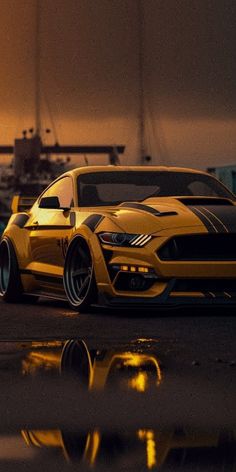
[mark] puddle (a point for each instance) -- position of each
(67, 404)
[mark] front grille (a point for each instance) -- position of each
(199, 247)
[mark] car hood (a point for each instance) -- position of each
(158, 214)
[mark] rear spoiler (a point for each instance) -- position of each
(22, 204)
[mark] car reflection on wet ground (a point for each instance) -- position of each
(75, 404)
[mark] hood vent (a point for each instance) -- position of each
(148, 209)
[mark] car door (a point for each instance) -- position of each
(50, 228)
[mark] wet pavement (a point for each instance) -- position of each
(131, 391)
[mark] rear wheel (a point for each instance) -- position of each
(79, 279)
(11, 289)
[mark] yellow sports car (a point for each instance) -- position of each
(124, 236)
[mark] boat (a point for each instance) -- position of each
(34, 167)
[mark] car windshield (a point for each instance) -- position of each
(113, 188)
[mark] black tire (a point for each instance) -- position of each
(79, 279)
(11, 290)
(76, 360)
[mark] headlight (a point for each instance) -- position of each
(124, 239)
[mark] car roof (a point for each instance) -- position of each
(109, 168)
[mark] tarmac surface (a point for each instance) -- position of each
(156, 390)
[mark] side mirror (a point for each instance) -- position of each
(49, 203)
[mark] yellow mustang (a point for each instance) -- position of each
(124, 236)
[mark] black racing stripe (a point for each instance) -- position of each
(221, 228)
(211, 228)
(48, 227)
(148, 209)
(93, 221)
(139, 206)
(226, 215)
(20, 220)
(72, 218)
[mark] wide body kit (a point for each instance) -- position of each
(164, 251)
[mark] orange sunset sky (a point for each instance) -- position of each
(90, 81)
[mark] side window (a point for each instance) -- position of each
(63, 189)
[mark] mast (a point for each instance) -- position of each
(37, 69)
(141, 80)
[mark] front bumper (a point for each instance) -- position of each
(178, 282)
(170, 298)
(171, 303)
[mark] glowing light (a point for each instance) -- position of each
(136, 360)
(143, 269)
(139, 382)
(149, 437)
(92, 447)
(41, 438)
(124, 267)
(133, 360)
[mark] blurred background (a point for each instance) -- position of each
(158, 76)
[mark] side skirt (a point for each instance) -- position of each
(50, 287)
(49, 295)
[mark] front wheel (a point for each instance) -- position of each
(79, 279)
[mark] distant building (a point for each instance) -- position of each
(226, 174)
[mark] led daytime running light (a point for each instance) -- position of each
(132, 268)
(124, 239)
